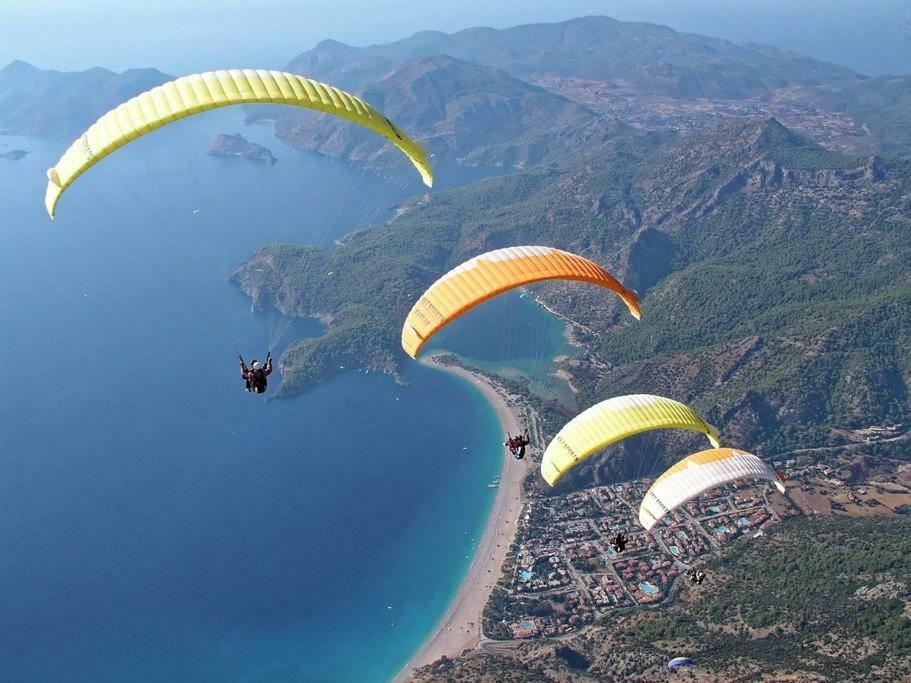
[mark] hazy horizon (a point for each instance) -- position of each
(872, 37)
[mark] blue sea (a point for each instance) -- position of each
(157, 523)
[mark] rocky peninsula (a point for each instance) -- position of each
(226, 145)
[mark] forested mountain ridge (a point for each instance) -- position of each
(775, 276)
(785, 310)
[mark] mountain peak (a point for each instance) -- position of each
(772, 127)
(335, 47)
(17, 68)
(770, 133)
(428, 35)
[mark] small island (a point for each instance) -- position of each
(13, 154)
(225, 145)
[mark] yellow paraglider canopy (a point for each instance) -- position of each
(202, 92)
(613, 420)
(493, 273)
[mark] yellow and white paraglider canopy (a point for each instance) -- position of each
(698, 473)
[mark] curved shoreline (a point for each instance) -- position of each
(460, 627)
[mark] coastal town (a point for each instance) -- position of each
(553, 573)
(795, 107)
(565, 572)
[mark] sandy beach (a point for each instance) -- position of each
(460, 627)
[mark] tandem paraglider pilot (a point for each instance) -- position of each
(255, 376)
(517, 444)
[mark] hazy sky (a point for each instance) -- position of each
(178, 36)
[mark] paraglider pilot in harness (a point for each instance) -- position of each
(619, 542)
(517, 444)
(697, 576)
(255, 376)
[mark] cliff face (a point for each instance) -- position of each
(225, 145)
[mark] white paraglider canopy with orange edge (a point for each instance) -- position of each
(698, 473)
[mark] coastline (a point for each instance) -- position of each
(460, 627)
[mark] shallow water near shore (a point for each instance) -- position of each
(513, 337)
(156, 522)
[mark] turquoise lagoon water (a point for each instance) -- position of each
(512, 337)
(156, 522)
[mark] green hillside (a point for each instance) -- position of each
(775, 278)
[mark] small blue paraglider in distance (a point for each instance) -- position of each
(680, 661)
